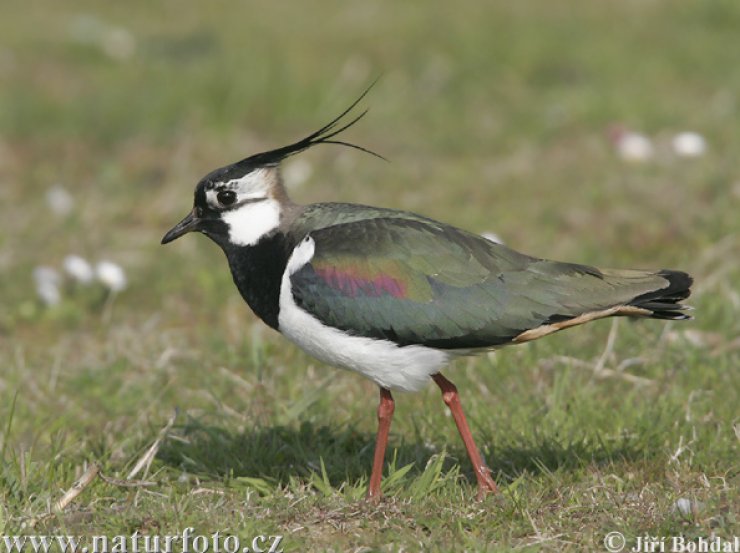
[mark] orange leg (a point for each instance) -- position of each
(385, 415)
(452, 399)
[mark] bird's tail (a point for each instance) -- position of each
(665, 303)
(620, 293)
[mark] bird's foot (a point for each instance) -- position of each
(486, 484)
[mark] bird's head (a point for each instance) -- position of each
(240, 203)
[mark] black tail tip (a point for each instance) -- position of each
(679, 284)
(665, 302)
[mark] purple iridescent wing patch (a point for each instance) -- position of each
(354, 281)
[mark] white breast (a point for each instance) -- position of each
(405, 368)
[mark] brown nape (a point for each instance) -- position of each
(289, 210)
(276, 188)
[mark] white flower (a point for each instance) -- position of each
(689, 144)
(630, 145)
(118, 43)
(47, 285)
(111, 275)
(79, 269)
(633, 146)
(48, 293)
(43, 273)
(60, 201)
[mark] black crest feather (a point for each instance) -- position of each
(324, 135)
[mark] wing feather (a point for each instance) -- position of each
(415, 281)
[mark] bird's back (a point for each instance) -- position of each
(395, 275)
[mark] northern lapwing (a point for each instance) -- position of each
(396, 296)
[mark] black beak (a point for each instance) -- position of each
(190, 223)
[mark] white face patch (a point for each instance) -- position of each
(251, 221)
(246, 205)
(252, 186)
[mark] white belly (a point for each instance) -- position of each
(405, 368)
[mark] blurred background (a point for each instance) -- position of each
(496, 116)
(600, 133)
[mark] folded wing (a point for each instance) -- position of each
(420, 282)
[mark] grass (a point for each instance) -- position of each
(494, 117)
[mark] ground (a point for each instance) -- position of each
(497, 117)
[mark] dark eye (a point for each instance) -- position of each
(226, 197)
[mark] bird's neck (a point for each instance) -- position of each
(257, 272)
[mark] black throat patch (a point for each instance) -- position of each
(258, 271)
